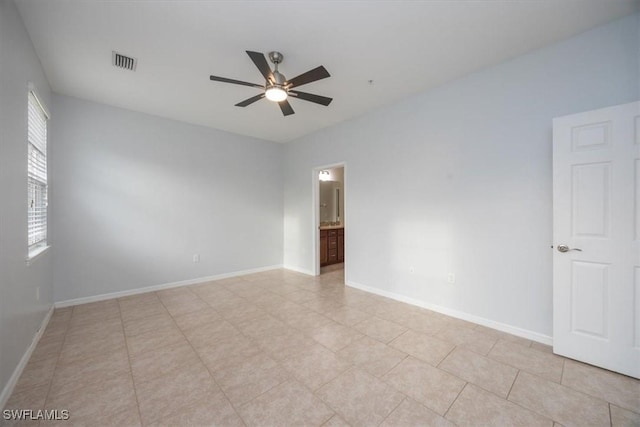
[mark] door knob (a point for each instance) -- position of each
(565, 248)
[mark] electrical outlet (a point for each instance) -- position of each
(196, 258)
(38, 293)
(451, 278)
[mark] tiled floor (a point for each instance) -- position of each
(278, 348)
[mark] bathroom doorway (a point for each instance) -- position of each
(329, 218)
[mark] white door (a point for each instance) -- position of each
(596, 232)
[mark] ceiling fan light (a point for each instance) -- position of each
(276, 94)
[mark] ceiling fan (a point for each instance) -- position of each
(277, 88)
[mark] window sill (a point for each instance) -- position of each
(36, 253)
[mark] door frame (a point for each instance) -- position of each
(315, 212)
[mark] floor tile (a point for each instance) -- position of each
(102, 328)
(248, 378)
(288, 349)
(410, 413)
(480, 370)
(110, 402)
(476, 406)
(87, 347)
(315, 366)
(288, 404)
(162, 361)
(380, 329)
(154, 339)
(453, 321)
(430, 386)
(289, 311)
(421, 322)
(168, 395)
(431, 350)
(335, 336)
(183, 303)
(559, 403)
(623, 418)
(322, 305)
(84, 372)
(360, 398)
(542, 347)
(147, 324)
(210, 333)
(269, 300)
(37, 373)
(618, 389)
(545, 365)
(309, 321)
(240, 313)
(503, 335)
(212, 292)
(467, 338)
(132, 301)
(197, 318)
(336, 421)
(132, 311)
(226, 352)
(300, 296)
(56, 330)
(212, 410)
(47, 347)
(33, 398)
(347, 316)
(94, 312)
(283, 346)
(245, 289)
(372, 356)
(265, 325)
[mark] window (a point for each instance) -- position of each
(36, 175)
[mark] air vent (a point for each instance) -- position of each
(122, 61)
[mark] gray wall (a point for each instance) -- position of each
(136, 196)
(458, 179)
(20, 313)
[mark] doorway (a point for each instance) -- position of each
(329, 218)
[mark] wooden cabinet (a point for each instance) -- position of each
(331, 246)
(324, 249)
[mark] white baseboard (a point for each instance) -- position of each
(120, 294)
(299, 270)
(13, 380)
(524, 333)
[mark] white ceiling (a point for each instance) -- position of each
(405, 47)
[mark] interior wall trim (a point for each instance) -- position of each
(120, 294)
(514, 330)
(13, 380)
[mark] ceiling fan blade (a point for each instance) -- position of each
(262, 64)
(317, 73)
(286, 108)
(235, 82)
(322, 100)
(250, 100)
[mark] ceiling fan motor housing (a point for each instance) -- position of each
(279, 78)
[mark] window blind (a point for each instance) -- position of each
(36, 173)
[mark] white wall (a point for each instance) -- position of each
(20, 313)
(136, 196)
(458, 179)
